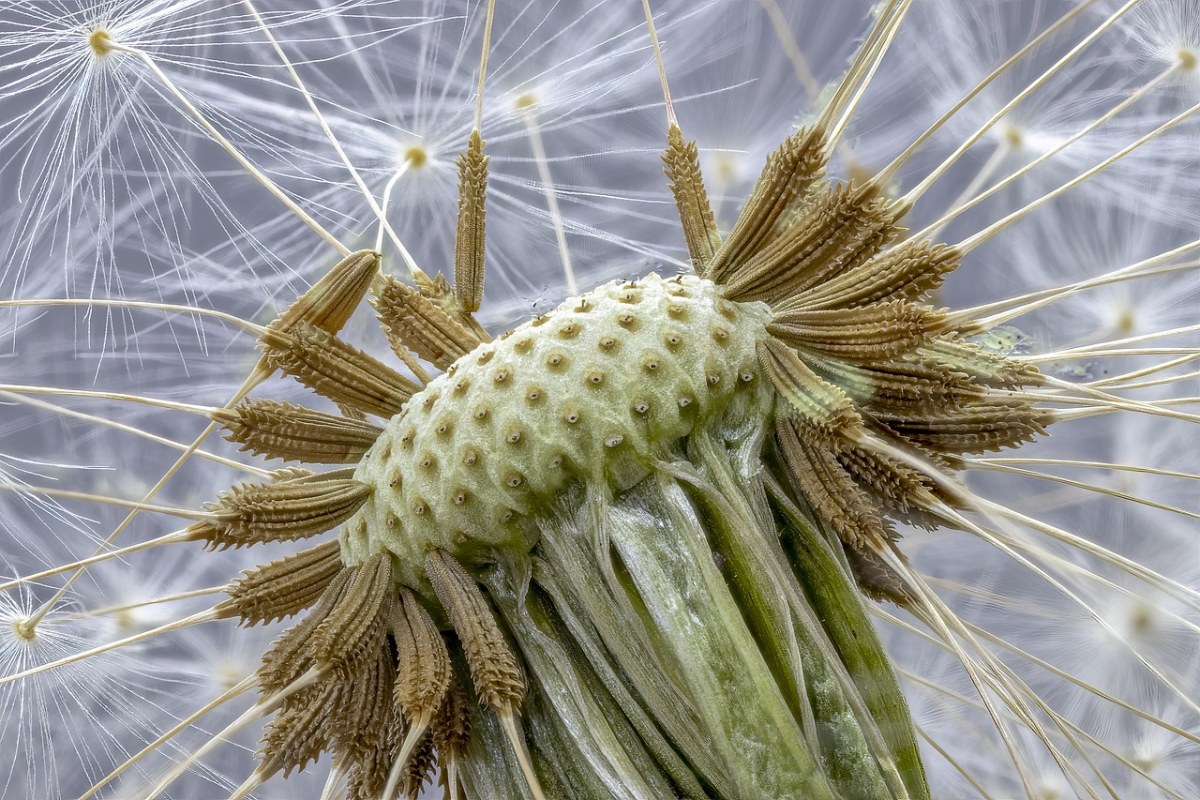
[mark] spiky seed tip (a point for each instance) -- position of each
(337, 370)
(423, 663)
(682, 167)
(821, 406)
(332, 300)
(299, 734)
(293, 433)
(288, 656)
(494, 670)
(255, 513)
(283, 587)
(470, 236)
(355, 627)
(415, 322)
(786, 179)
(839, 229)
(831, 492)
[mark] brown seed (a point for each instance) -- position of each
(494, 670)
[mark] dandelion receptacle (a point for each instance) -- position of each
(546, 427)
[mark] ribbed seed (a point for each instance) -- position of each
(418, 769)
(333, 299)
(288, 656)
(294, 433)
(371, 746)
(494, 670)
(821, 405)
(300, 733)
(283, 587)
(423, 670)
(355, 627)
(980, 428)
(787, 176)
(452, 728)
(363, 708)
(279, 512)
(861, 334)
(338, 371)
(908, 271)
(470, 235)
(897, 485)
(682, 168)
(415, 322)
(838, 230)
(830, 491)
(878, 580)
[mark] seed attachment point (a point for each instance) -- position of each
(101, 42)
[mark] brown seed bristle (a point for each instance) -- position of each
(293, 433)
(837, 230)
(333, 299)
(254, 513)
(337, 370)
(419, 324)
(423, 670)
(823, 407)
(830, 490)
(470, 236)
(354, 629)
(908, 271)
(682, 167)
(300, 733)
(786, 178)
(288, 656)
(494, 670)
(283, 587)
(861, 334)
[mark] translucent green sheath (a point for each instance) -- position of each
(698, 636)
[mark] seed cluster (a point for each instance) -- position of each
(809, 320)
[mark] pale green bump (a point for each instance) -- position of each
(592, 391)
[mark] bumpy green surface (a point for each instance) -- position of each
(592, 391)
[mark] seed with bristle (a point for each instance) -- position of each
(336, 370)
(414, 322)
(355, 627)
(299, 734)
(682, 168)
(839, 229)
(285, 586)
(294, 433)
(830, 491)
(469, 239)
(787, 176)
(860, 334)
(423, 663)
(822, 406)
(333, 299)
(288, 656)
(908, 271)
(494, 670)
(278, 512)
